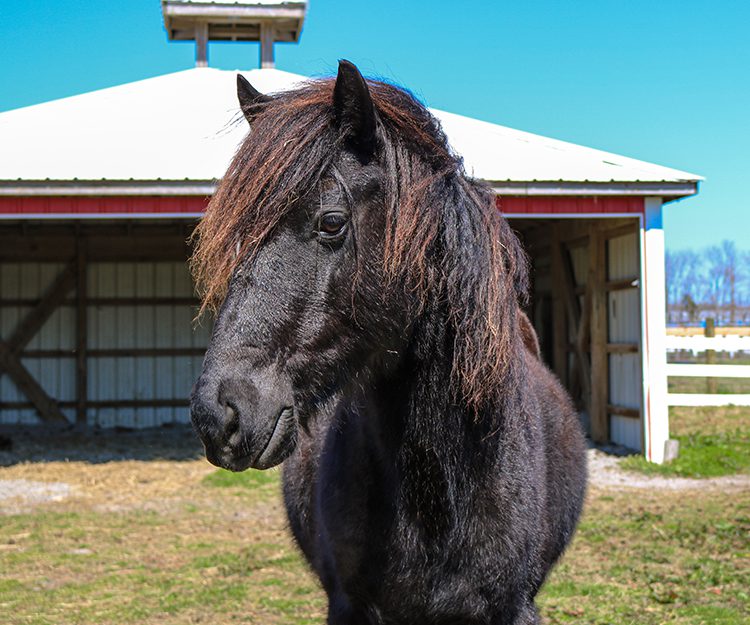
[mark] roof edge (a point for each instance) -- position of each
(207, 187)
(106, 187)
(645, 189)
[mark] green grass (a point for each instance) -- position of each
(713, 442)
(723, 386)
(701, 456)
(215, 548)
(658, 557)
(251, 479)
(251, 483)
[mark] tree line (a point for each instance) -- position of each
(712, 282)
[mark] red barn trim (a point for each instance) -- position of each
(190, 206)
(102, 206)
(550, 205)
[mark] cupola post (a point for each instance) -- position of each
(264, 21)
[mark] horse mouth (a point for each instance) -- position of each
(281, 442)
(235, 455)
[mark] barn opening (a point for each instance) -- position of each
(96, 318)
(585, 306)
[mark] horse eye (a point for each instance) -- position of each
(332, 224)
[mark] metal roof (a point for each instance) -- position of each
(178, 132)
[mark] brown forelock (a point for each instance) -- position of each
(291, 146)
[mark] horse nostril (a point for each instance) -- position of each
(231, 420)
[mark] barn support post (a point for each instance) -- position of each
(559, 321)
(653, 332)
(201, 44)
(81, 327)
(267, 38)
(599, 335)
(577, 321)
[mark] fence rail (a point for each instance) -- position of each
(703, 399)
(710, 344)
(730, 343)
(708, 371)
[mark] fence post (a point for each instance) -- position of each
(710, 332)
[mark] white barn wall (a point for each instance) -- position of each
(143, 327)
(624, 323)
(109, 327)
(56, 376)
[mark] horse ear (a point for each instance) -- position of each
(354, 110)
(251, 100)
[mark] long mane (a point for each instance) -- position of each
(444, 235)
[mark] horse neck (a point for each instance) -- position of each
(424, 426)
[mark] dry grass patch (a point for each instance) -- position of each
(167, 542)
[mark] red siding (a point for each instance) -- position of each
(102, 205)
(155, 205)
(531, 205)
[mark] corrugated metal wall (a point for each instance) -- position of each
(111, 378)
(624, 316)
(26, 281)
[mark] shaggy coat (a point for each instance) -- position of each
(369, 335)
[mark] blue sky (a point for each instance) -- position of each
(665, 81)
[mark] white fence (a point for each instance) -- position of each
(730, 344)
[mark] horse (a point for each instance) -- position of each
(369, 333)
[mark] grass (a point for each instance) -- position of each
(713, 442)
(655, 558)
(178, 542)
(724, 386)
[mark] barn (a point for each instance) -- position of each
(99, 194)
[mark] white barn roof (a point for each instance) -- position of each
(183, 129)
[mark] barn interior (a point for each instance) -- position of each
(97, 318)
(585, 306)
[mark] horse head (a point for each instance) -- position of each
(306, 305)
(343, 218)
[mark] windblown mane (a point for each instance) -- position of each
(445, 238)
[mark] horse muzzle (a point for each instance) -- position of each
(244, 423)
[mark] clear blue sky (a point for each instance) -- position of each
(667, 81)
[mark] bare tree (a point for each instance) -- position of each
(682, 268)
(713, 281)
(722, 263)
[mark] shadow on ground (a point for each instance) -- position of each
(45, 443)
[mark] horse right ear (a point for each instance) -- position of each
(251, 100)
(354, 110)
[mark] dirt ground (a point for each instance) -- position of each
(118, 469)
(113, 527)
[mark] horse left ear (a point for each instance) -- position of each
(354, 110)
(251, 100)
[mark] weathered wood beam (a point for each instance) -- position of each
(108, 301)
(48, 303)
(81, 334)
(10, 362)
(622, 348)
(117, 352)
(559, 322)
(622, 411)
(573, 310)
(599, 336)
(47, 407)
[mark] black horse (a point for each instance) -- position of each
(369, 335)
